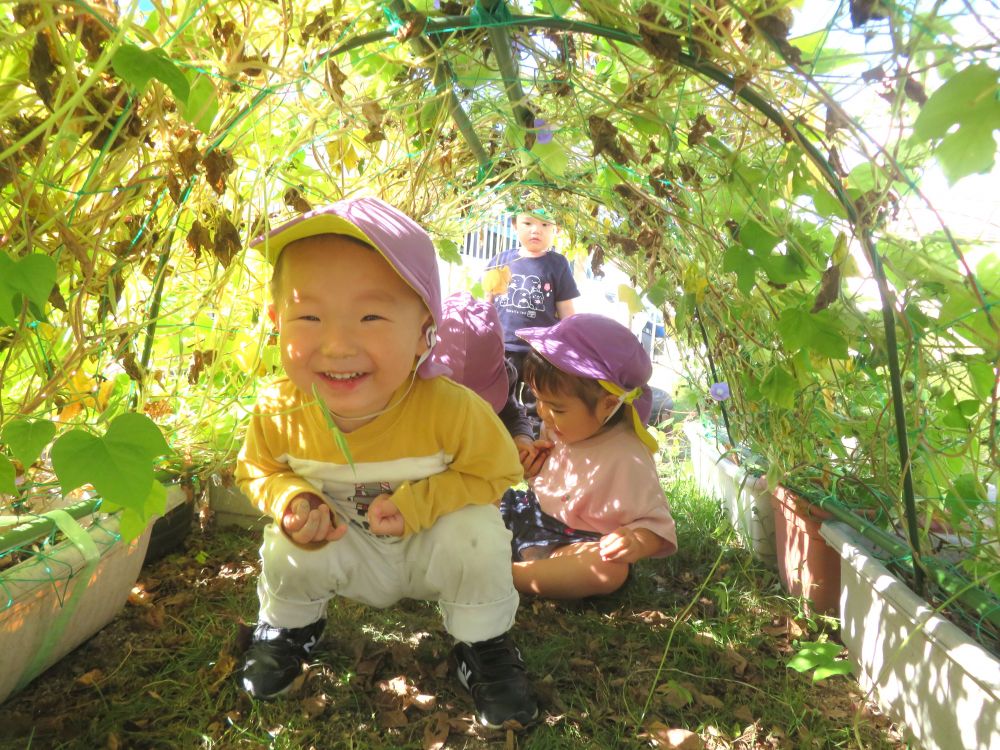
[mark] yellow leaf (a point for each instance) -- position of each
(629, 296)
(495, 280)
(46, 332)
(341, 151)
(839, 254)
(70, 410)
(81, 384)
(104, 394)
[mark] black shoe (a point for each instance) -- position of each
(493, 672)
(276, 657)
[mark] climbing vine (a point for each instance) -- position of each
(708, 149)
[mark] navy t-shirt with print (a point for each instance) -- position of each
(536, 284)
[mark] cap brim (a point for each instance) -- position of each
(307, 225)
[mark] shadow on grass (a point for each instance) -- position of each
(696, 641)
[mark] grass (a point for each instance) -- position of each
(697, 641)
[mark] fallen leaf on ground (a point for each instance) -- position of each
(436, 731)
(315, 706)
(393, 719)
(660, 735)
(90, 678)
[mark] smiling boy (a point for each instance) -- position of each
(402, 505)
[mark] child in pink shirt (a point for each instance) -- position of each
(596, 506)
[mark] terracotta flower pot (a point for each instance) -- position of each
(807, 565)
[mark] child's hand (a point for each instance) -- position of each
(532, 453)
(310, 522)
(624, 544)
(384, 517)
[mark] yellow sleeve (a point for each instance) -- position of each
(270, 484)
(485, 464)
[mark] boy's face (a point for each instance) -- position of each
(569, 419)
(534, 234)
(348, 325)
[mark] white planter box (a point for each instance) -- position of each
(33, 592)
(232, 508)
(747, 507)
(924, 672)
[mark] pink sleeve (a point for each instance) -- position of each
(631, 495)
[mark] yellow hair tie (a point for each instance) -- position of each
(629, 397)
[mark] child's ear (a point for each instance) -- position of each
(428, 335)
(606, 406)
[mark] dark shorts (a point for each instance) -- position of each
(536, 534)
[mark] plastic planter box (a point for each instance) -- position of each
(746, 504)
(924, 672)
(34, 592)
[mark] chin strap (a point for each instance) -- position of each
(629, 397)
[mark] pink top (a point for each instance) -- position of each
(606, 482)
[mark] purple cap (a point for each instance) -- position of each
(400, 240)
(470, 344)
(596, 347)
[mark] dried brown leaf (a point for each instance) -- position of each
(90, 678)
(436, 731)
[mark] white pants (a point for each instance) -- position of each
(463, 562)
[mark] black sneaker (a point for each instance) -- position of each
(276, 657)
(493, 672)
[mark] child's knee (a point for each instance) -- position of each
(610, 577)
(473, 538)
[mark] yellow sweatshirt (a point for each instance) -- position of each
(439, 450)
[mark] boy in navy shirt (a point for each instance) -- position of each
(531, 287)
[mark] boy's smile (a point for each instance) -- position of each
(349, 326)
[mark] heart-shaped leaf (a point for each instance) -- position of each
(31, 277)
(27, 439)
(119, 465)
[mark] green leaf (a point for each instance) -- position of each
(778, 387)
(202, 104)
(968, 99)
(338, 436)
(965, 97)
(784, 269)
(818, 332)
(552, 157)
(27, 439)
(811, 655)
(7, 475)
(32, 277)
(745, 265)
(657, 292)
(553, 7)
(972, 150)
(829, 670)
(132, 523)
(755, 237)
(118, 465)
(981, 377)
(138, 66)
(448, 251)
